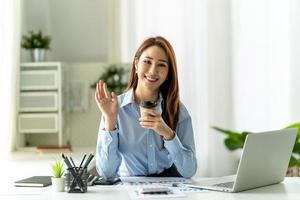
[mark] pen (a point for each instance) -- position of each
(82, 160)
(72, 162)
(88, 160)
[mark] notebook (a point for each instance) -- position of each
(264, 161)
(34, 181)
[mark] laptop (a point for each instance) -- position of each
(264, 161)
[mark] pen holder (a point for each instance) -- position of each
(77, 184)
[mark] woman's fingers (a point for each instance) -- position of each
(100, 91)
(106, 92)
(148, 119)
(151, 112)
(147, 124)
(97, 96)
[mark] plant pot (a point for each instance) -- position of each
(38, 55)
(293, 171)
(58, 184)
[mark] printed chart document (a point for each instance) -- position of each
(175, 184)
(135, 180)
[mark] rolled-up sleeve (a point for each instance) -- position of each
(182, 148)
(108, 158)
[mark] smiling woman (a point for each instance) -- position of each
(160, 140)
(9, 62)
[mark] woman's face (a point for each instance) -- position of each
(152, 68)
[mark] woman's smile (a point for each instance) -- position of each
(151, 79)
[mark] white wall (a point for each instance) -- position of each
(84, 124)
(79, 28)
(261, 63)
(295, 60)
(219, 85)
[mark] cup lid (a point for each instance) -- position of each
(148, 104)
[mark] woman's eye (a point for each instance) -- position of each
(162, 65)
(147, 61)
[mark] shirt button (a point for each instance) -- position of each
(151, 164)
(150, 145)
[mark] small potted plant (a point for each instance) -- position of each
(37, 43)
(58, 182)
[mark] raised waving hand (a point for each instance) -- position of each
(108, 104)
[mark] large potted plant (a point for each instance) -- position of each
(37, 43)
(235, 140)
(114, 76)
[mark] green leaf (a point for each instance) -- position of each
(232, 144)
(244, 135)
(234, 140)
(58, 169)
(295, 125)
(293, 162)
(35, 40)
(296, 148)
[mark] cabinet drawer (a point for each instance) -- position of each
(38, 101)
(38, 80)
(38, 123)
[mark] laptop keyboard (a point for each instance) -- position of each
(226, 185)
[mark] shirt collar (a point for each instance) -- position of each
(129, 98)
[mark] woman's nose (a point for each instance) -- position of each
(153, 69)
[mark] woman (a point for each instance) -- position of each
(161, 143)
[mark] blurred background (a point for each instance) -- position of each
(238, 64)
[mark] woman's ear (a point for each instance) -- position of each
(135, 65)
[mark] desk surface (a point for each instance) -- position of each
(289, 189)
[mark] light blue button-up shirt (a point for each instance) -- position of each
(143, 150)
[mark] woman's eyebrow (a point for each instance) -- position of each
(161, 60)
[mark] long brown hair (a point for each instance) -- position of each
(169, 89)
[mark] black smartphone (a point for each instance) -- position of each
(103, 181)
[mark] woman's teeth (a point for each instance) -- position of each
(151, 79)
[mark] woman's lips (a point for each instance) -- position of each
(151, 79)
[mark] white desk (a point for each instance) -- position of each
(289, 189)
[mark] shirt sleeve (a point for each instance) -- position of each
(182, 148)
(108, 158)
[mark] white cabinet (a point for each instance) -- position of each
(38, 79)
(38, 123)
(41, 98)
(38, 101)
